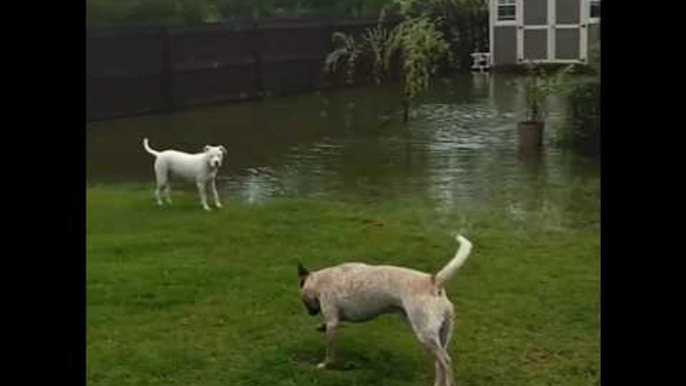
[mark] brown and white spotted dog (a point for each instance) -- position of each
(356, 292)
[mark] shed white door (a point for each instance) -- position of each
(533, 31)
(551, 30)
(569, 30)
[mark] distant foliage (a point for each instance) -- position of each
(410, 30)
(539, 85)
(582, 129)
(193, 12)
(346, 53)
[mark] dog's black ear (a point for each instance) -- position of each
(302, 271)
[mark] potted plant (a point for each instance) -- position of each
(538, 86)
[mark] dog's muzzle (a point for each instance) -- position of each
(312, 310)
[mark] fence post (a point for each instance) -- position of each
(167, 74)
(258, 46)
(327, 80)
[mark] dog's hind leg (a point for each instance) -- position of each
(427, 327)
(444, 370)
(446, 331)
(167, 193)
(445, 335)
(440, 380)
(161, 179)
(158, 195)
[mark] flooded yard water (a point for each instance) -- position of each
(459, 148)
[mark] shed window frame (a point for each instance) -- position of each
(591, 5)
(502, 5)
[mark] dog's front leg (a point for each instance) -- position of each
(203, 194)
(213, 185)
(331, 327)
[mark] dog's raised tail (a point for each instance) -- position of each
(450, 270)
(148, 149)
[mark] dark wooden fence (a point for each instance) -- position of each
(141, 70)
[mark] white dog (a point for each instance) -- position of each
(356, 292)
(200, 168)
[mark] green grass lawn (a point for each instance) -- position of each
(177, 296)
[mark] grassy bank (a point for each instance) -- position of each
(177, 296)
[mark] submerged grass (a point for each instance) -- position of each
(177, 296)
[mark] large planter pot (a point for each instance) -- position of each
(530, 134)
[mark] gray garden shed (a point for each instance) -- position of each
(548, 31)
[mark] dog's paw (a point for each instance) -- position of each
(322, 365)
(219, 206)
